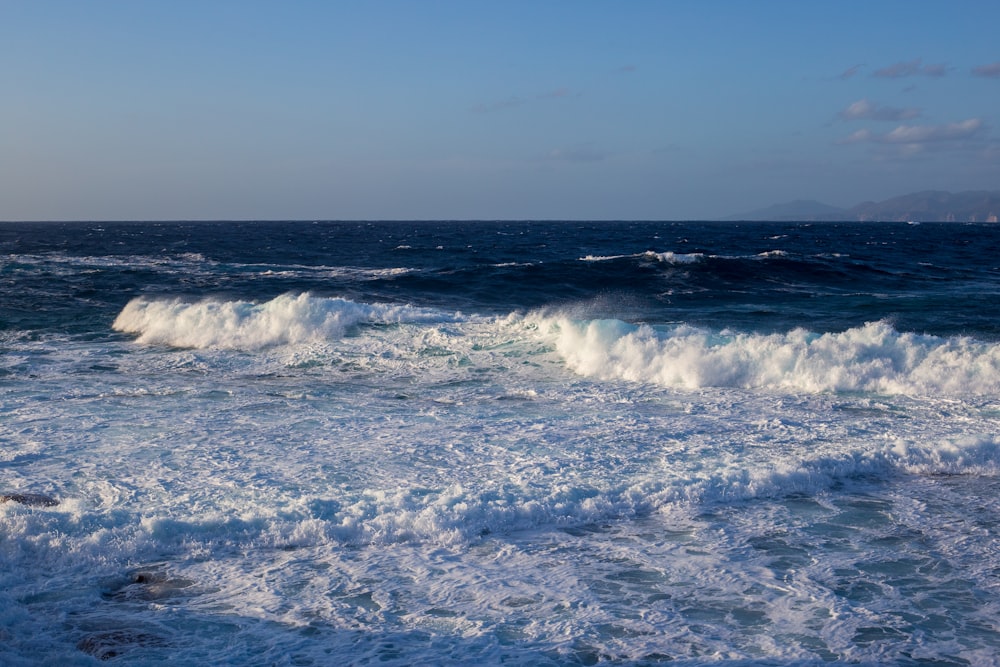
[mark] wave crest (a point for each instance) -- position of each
(285, 320)
(668, 257)
(872, 358)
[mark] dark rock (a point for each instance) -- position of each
(30, 499)
(150, 584)
(113, 643)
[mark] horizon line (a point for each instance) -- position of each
(460, 220)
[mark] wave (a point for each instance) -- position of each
(187, 263)
(675, 257)
(664, 257)
(605, 258)
(678, 258)
(245, 325)
(62, 265)
(871, 358)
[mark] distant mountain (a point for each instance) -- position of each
(926, 206)
(934, 206)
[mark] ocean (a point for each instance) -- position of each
(519, 443)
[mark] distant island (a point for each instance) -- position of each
(926, 206)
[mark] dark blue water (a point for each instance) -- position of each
(942, 279)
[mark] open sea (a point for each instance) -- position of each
(519, 443)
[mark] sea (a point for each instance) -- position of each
(519, 443)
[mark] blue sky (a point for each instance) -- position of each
(464, 109)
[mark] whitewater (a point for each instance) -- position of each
(504, 443)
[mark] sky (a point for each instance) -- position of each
(501, 109)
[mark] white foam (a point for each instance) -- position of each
(676, 257)
(967, 454)
(370, 498)
(287, 319)
(665, 257)
(872, 358)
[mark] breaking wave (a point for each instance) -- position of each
(286, 319)
(871, 358)
(664, 257)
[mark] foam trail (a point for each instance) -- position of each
(286, 319)
(872, 358)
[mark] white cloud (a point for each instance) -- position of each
(921, 134)
(912, 139)
(865, 110)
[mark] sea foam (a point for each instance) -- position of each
(286, 319)
(668, 257)
(871, 358)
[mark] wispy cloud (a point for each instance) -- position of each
(915, 67)
(627, 68)
(991, 70)
(921, 134)
(850, 71)
(914, 138)
(865, 110)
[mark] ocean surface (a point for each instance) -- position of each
(331, 443)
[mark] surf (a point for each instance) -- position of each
(873, 358)
(285, 320)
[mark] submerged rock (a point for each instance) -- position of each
(113, 643)
(30, 499)
(150, 584)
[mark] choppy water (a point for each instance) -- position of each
(518, 443)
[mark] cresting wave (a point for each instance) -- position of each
(872, 358)
(668, 257)
(678, 258)
(284, 320)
